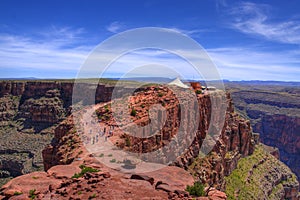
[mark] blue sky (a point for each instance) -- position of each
(247, 40)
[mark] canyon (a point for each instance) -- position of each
(42, 110)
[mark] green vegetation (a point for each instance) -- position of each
(101, 155)
(17, 193)
(84, 170)
(196, 190)
(109, 155)
(237, 181)
(106, 108)
(32, 194)
(198, 91)
(127, 142)
(160, 94)
(242, 184)
(93, 196)
(133, 112)
(113, 160)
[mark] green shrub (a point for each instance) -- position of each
(112, 160)
(198, 91)
(127, 142)
(133, 112)
(106, 109)
(31, 194)
(17, 193)
(84, 170)
(160, 94)
(197, 189)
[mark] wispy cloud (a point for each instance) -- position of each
(256, 19)
(61, 52)
(190, 32)
(54, 49)
(115, 27)
(240, 63)
(233, 63)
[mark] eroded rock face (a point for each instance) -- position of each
(65, 145)
(274, 113)
(29, 112)
(282, 132)
(236, 141)
(43, 110)
(8, 109)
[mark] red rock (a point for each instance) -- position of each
(63, 171)
(40, 181)
(216, 194)
(176, 177)
(143, 177)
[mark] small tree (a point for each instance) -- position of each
(197, 189)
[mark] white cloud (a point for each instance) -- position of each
(255, 19)
(67, 51)
(241, 63)
(58, 49)
(191, 32)
(234, 63)
(115, 27)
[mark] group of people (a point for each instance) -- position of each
(93, 138)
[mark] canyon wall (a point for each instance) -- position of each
(274, 112)
(29, 114)
(282, 131)
(24, 101)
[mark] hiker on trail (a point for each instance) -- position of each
(101, 133)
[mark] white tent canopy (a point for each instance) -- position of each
(178, 83)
